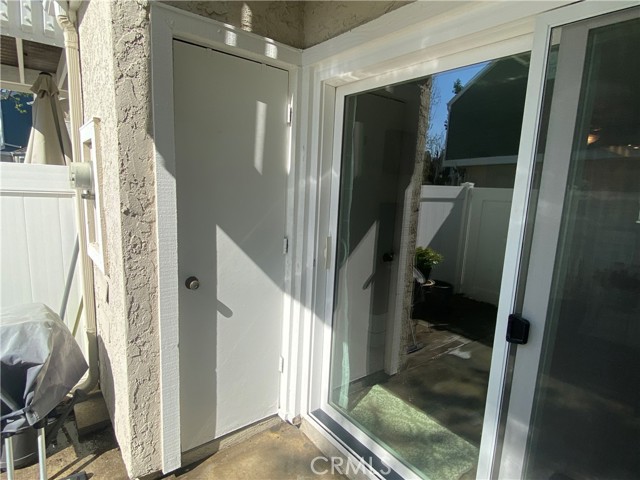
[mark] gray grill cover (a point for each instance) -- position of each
(40, 363)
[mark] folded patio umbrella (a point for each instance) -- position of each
(40, 362)
(49, 141)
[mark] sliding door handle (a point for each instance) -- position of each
(517, 330)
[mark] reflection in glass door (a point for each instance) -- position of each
(427, 174)
(574, 411)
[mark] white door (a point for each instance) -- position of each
(373, 182)
(231, 167)
(575, 395)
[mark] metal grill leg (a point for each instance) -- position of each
(8, 457)
(42, 454)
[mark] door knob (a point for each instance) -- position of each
(192, 283)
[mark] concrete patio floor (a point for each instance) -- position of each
(97, 454)
(447, 379)
(280, 453)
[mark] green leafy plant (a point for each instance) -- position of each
(20, 100)
(426, 258)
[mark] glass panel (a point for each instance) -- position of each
(586, 417)
(412, 348)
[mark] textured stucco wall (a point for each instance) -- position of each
(278, 20)
(299, 24)
(325, 20)
(114, 46)
(138, 215)
(96, 58)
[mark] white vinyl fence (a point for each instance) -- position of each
(469, 227)
(37, 239)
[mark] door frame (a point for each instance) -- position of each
(498, 31)
(466, 56)
(547, 220)
(169, 23)
(492, 39)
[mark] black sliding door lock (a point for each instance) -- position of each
(517, 329)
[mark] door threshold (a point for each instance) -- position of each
(342, 449)
(229, 440)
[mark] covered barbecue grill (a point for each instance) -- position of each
(40, 363)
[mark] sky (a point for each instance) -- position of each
(15, 126)
(444, 83)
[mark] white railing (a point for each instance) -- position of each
(27, 20)
(37, 239)
(469, 227)
(31, 20)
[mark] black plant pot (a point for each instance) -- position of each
(437, 298)
(426, 272)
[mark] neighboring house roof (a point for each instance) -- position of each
(485, 117)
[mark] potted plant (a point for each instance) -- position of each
(426, 259)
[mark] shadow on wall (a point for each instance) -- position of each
(106, 379)
(441, 227)
(280, 21)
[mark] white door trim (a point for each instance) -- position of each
(420, 32)
(167, 24)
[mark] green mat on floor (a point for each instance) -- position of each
(432, 449)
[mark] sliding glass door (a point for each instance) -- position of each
(426, 179)
(574, 410)
(437, 185)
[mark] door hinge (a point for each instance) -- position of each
(281, 365)
(285, 245)
(290, 115)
